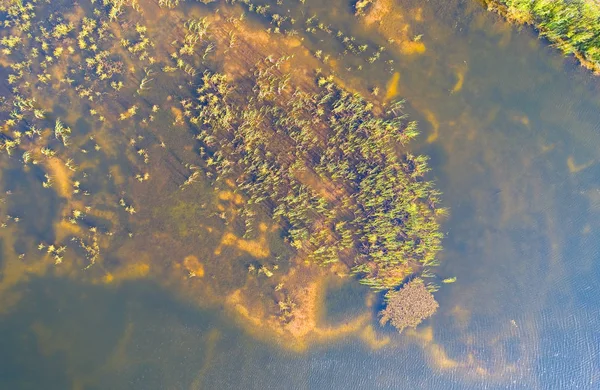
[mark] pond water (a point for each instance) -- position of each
(512, 129)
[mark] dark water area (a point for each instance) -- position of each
(513, 132)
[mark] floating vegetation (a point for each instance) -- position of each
(408, 306)
(571, 25)
(269, 155)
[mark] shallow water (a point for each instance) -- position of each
(514, 148)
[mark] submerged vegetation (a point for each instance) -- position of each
(100, 104)
(326, 168)
(571, 25)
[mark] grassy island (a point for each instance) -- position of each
(571, 25)
(182, 142)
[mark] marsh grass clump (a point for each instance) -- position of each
(360, 6)
(168, 3)
(325, 164)
(117, 7)
(408, 306)
(571, 25)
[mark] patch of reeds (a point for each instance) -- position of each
(571, 25)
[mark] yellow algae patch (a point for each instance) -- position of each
(574, 168)
(133, 271)
(369, 336)
(460, 79)
(310, 309)
(303, 329)
(391, 24)
(238, 199)
(333, 64)
(76, 16)
(234, 300)
(412, 47)
(300, 320)
(391, 90)
(522, 119)
(425, 335)
(438, 356)
(231, 196)
(61, 175)
(63, 229)
(294, 42)
(108, 278)
(214, 335)
(194, 267)
(263, 227)
(251, 44)
(434, 124)
(58, 72)
(481, 371)
(178, 115)
(436, 352)
(309, 306)
(417, 14)
(4, 62)
(256, 248)
(116, 174)
(378, 10)
(336, 332)
(89, 164)
(547, 148)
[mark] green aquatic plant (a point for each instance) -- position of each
(117, 7)
(571, 25)
(326, 168)
(360, 6)
(168, 3)
(145, 80)
(62, 132)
